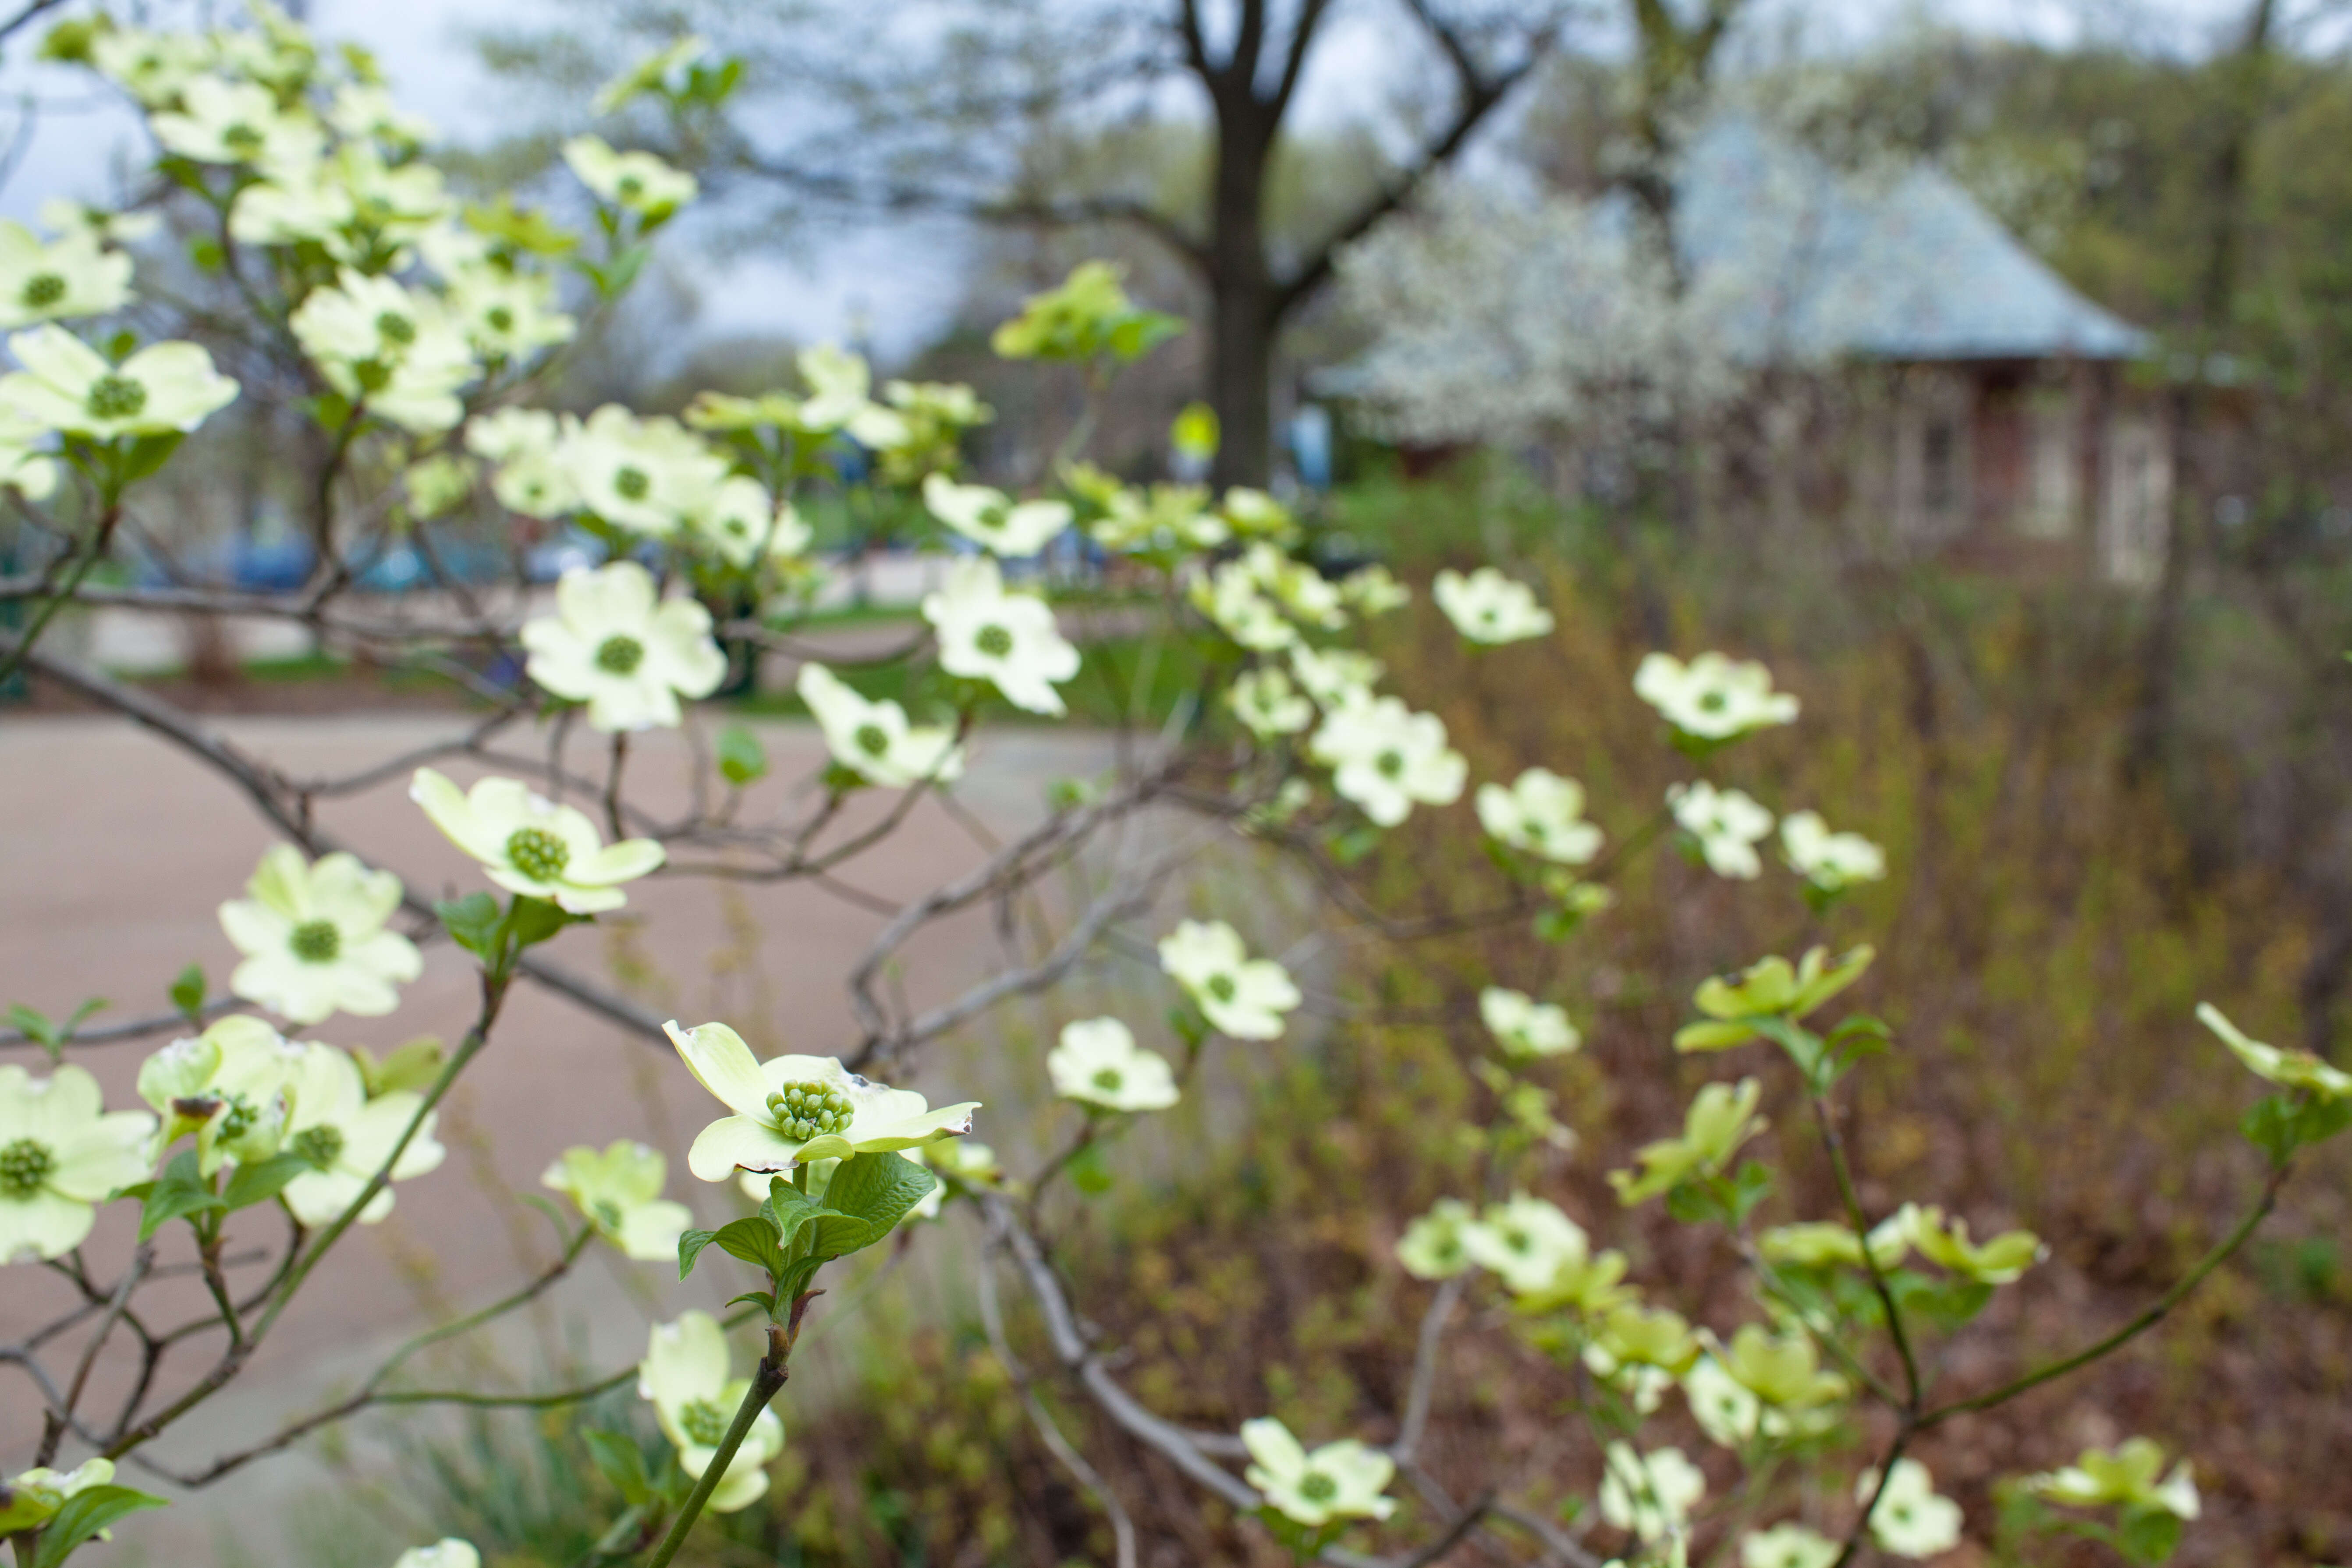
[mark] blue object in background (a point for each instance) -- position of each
(1310, 445)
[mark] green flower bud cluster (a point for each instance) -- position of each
(24, 1165)
(810, 1109)
(538, 854)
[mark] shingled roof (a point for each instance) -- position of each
(1904, 266)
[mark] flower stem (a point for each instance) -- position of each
(766, 1379)
(2147, 1320)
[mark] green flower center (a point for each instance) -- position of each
(619, 655)
(24, 1166)
(1515, 1239)
(873, 739)
(500, 319)
(316, 941)
(810, 1108)
(241, 137)
(43, 289)
(115, 397)
(629, 187)
(1108, 1079)
(321, 1146)
(1221, 986)
(395, 328)
(237, 1120)
(1317, 1486)
(538, 854)
(703, 1423)
(632, 484)
(994, 641)
(606, 1214)
(1390, 764)
(1714, 702)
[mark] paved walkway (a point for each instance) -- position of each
(115, 851)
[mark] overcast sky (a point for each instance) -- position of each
(899, 287)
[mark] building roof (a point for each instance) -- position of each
(1902, 266)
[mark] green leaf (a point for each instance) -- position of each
(534, 920)
(1948, 1304)
(619, 1459)
(86, 1513)
(472, 922)
(2147, 1534)
(143, 456)
(753, 1240)
(689, 1248)
(878, 1189)
(1088, 1173)
(825, 1235)
(763, 1300)
(179, 1191)
(624, 269)
(188, 992)
(742, 759)
(260, 1183)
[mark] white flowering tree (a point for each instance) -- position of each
(414, 333)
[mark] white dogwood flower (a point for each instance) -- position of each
(221, 121)
(530, 846)
(2304, 1070)
(840, 387)
(1338, 1480)
(1650, 1495)
(1488, 607)
(2130, 1476)
(347, 1137)
(1788, 1546)
(1831, 862)
(66, 386)
(616, 644)
(508, 314)
(314, 940)
(873, 739)
(1385, 758)
(1243, 996)
(1099, 1063)
(155, 67)
(994, 520)
(1712, 698)
(396, 349)
(1007, 639)
(1265, 701)
(31, 1497)
(638, 182)
(449, 1552)
(619, 1192)
(1910, 1519)
(1543, 813)
(362, 112)
(794, 1109)
(1525, 1241)
(227, 1086)
(1433, 1246)
(531, 477)
(686, 1377)
(1524, 1027)
(1335, 677)
(742, 522)
(1726, 1409)
(1230, 597)
(1727, 824)
(68, 277)
(1374, 591)
(62, 1153)
(103, 225)
(647, 476)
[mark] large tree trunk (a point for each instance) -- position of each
(1241, 377)
(1243, 318)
